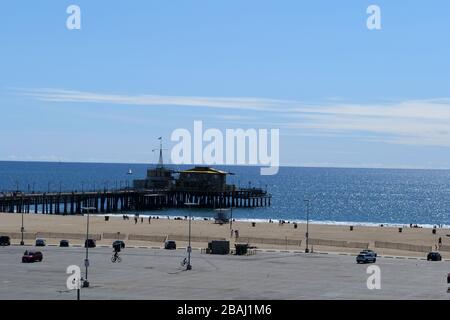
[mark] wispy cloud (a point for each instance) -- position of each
(424, 122)
(58, 95)
(416, 122)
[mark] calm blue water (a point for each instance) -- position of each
(337, 195)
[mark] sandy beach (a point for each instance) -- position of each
(262, 235)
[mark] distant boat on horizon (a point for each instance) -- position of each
(130, 171)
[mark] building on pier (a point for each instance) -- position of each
(160, 177)
(203, 179)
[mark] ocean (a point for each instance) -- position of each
(337, 195)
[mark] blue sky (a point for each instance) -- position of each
(340, 94)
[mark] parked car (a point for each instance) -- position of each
(365, 258)
(434, 256)
(32, 256)
(90, 243)
(64, 243)
(118, 243)
(170, 245)
(367, 251)
(40, 243)
(5, 241)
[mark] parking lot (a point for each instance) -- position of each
(157, 274)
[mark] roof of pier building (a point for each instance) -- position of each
(205, 170)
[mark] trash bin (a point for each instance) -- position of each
(241, 249)
(295, 226)
(400, 230)
(351, 228)
(106, 218)
(253, 224)
(434, 231)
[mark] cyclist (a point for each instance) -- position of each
(116, 252)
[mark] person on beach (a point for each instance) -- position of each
(440, 241)
(149, 219)
(142, 220)
(135, 220)
(231, 235)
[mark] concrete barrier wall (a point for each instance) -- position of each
(114, 236)
(336, 243)
(444, 248)
(76, 236)
(142, 237)
(18, 235)
(290, 242)
(178, 237)
(402, 246)
(358, 245)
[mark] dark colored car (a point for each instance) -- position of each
(64, 243)
(32, 256)
(40, 243)
(365, 258)
(5, 241)
(170, 245)
(434, 256)
(118, 243)
(367, 251)
(90, 243)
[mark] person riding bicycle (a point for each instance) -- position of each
(116, 251)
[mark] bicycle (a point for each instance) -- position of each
(116, 258)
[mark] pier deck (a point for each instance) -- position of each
(111, 201)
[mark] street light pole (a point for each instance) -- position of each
(307, 225)
(22, 230)
(86, 244)
(231, 217)
(189, 249)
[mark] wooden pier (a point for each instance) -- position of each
(115, 201)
